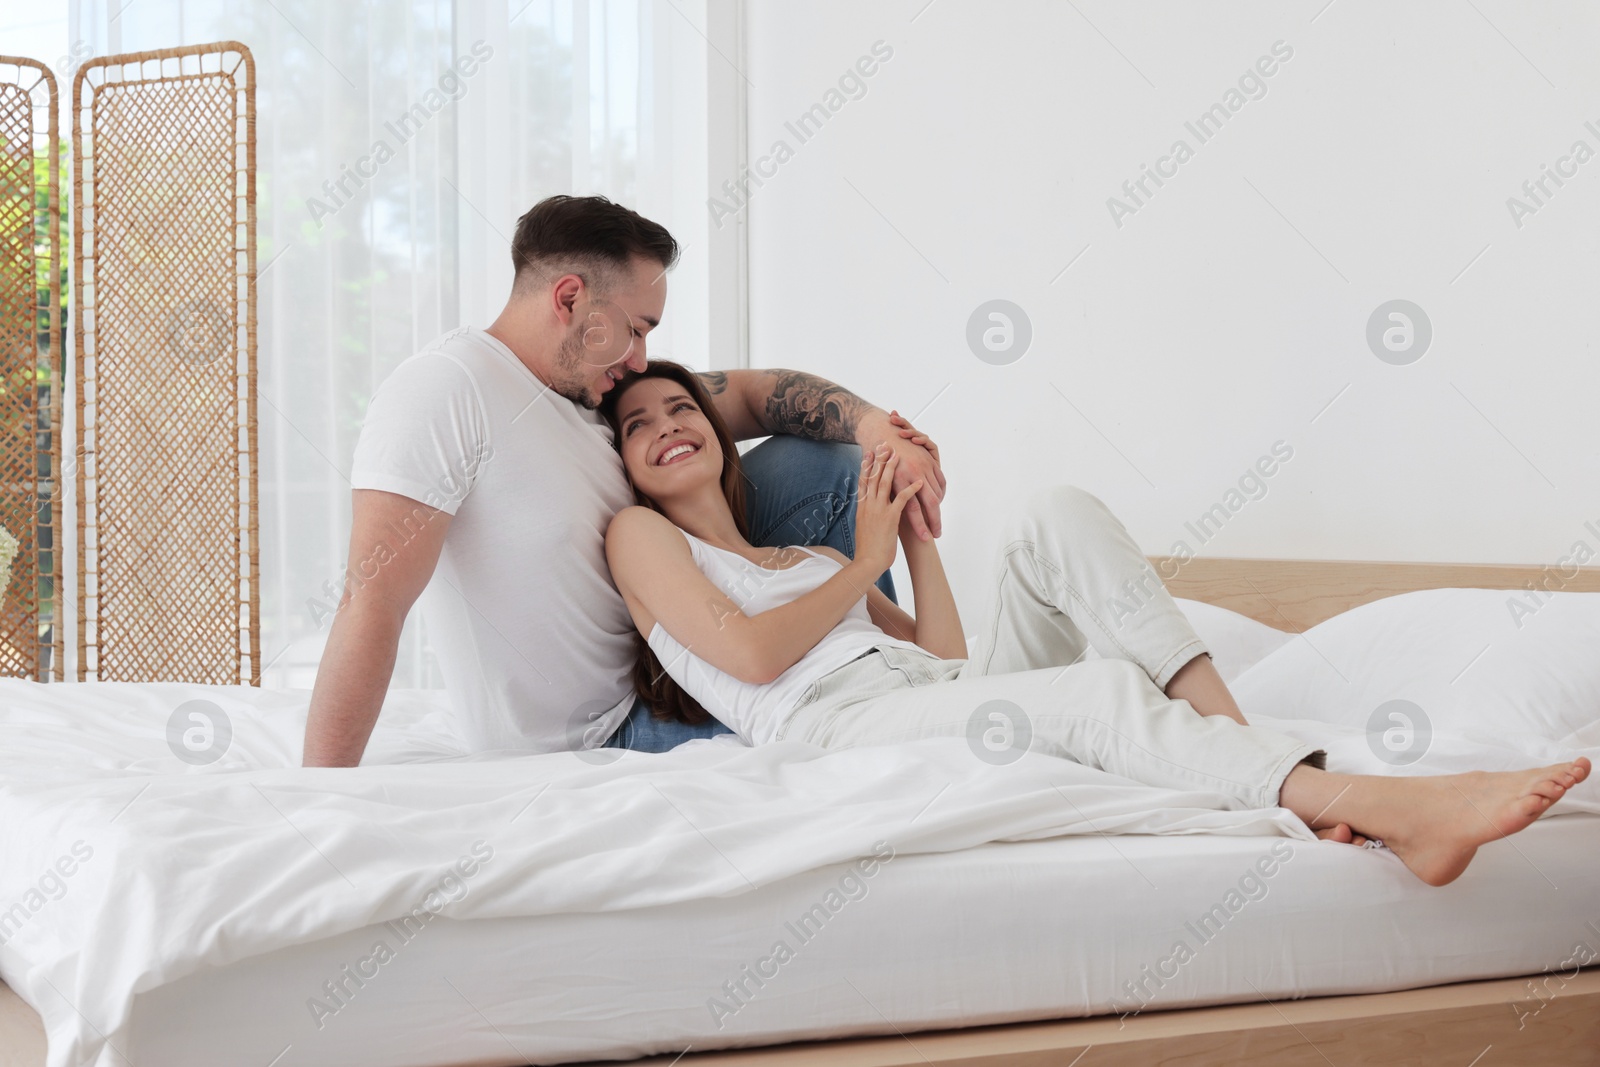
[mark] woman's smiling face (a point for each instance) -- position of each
(667, 441)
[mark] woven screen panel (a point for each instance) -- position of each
(164, 240)
(30, 365)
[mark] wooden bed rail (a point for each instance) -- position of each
(1296, 594)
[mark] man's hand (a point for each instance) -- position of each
(917, 437)
(383, 581)
(919, 459)
(880, 508)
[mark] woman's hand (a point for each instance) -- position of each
(916, 461)
(879, 508)
(910, 536)
(921, 519)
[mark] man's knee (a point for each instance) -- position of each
(803, 466)
(835, 466)
(798, 490)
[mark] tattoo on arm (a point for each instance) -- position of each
(715, 381)
(808, 406)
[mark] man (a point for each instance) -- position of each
(484, 476)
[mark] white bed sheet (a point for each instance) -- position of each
(170, 870)
(997, 933)
(212, 913)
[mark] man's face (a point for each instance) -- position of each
(606, 337)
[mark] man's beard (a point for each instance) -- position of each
(572, 372)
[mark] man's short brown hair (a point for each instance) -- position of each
(588, 236)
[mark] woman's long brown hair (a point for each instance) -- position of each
(665, 698)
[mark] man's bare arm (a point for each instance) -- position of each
(756, 403)
(383, 580)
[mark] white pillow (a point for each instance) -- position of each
(1237, 642)
(1477, 662)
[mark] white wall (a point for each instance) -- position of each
(1229, 310)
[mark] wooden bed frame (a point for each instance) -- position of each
(1458, 1025)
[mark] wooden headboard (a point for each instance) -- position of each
(1296, 594)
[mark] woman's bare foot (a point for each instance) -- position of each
(1435, 825)
(1454, 814)
(1342, 835)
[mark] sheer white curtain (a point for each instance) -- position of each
(397, 142)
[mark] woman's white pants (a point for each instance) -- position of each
(1069, 578)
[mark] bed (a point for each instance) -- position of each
(936, 956)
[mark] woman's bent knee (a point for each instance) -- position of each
(1059, 508)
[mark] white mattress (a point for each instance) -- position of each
(624, 892)
(184, 872)
(997, 933)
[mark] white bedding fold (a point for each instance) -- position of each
(176, 869)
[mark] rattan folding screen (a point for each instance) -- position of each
(164, 257)
(30, 366)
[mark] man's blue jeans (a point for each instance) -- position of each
(798, 492)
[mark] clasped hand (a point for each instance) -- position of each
(879, 509)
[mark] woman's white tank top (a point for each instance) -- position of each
(755, 712)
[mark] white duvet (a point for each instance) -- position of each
(125, 868)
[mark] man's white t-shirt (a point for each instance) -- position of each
(534, 641)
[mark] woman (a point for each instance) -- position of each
(796, 643)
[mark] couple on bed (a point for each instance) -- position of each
(525, 475)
